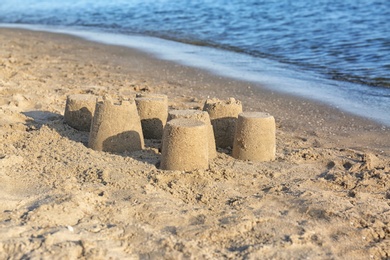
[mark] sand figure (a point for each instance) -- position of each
(185, 146)
(116, 127)
(202, 116)
(153, 111)
(223, 115)
(254, 138)
(79, 111)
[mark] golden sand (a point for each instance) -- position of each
(326, 195)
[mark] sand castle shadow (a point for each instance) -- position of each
(55, 122)
(125, 141)
(130, 144)
(224, 129)
(152, 128)
(79, 119)
(41, 117)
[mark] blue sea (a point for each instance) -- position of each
(332, 51)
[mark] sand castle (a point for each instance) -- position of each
(188, 139)
(153, 111)
(202, 116)
(185, 145)
(254, 137)
(116, 127)
(79, 111)
(223, 115)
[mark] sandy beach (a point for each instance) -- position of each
(326, 196)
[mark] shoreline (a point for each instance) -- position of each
(359, 100)
(286, 108)
(325, 196)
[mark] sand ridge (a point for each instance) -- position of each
(327, 195)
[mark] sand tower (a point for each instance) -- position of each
(79, 111)
(223, 115)
(254, 138)
(202, 116)
(116, 127)
(153, 111)
(185, 146)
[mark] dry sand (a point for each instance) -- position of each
(327, 195)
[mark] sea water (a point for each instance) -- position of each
(337, 52)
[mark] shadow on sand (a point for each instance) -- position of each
(56, 122)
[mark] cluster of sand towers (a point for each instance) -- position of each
(189, 137)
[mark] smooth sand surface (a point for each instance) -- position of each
(326, 196)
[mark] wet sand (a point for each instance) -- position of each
(326, 196)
